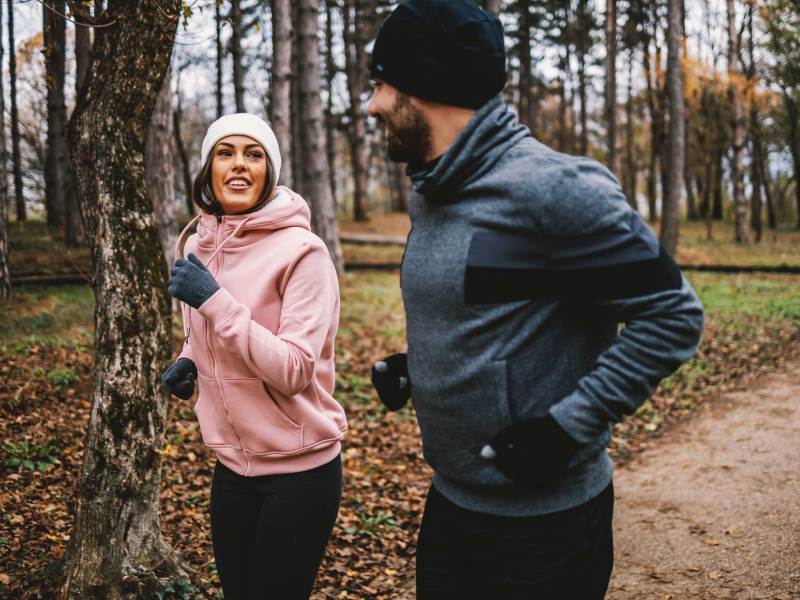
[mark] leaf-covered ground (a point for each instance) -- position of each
(45, 377)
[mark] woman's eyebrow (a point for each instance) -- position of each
(246, 147)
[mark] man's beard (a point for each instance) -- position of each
(408, 135)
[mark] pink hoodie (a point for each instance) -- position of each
(263, 343)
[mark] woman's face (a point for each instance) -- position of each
(238, 173)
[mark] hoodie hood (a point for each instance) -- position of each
(491, 132)
(286, 209)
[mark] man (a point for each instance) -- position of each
(520, 266)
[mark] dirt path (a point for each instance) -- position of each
(713, 510)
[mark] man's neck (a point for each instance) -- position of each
(447, 123)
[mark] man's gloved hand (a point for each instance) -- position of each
(533, 453)
(178, 378)
(191, 282)
(390, 378)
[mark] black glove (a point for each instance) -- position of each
(191, 282)
(391, 381)
(178, 379)
(533, 453)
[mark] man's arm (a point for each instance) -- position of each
(616, 263)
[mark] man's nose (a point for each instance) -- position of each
(371, 110)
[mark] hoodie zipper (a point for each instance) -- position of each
(210, 343)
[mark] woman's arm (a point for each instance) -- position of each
(285, 360)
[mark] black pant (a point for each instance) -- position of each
(270, 532)
(475, 556)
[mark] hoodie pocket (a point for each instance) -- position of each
(260, 423)
(456, 423)
(214, 424)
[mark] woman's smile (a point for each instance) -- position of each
(239, 172)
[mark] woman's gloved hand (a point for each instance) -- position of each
(191, 282)
(391, 381)
(178, 378)
(532, 453)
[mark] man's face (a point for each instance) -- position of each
(408, 134)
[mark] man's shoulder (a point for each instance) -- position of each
(566, 194)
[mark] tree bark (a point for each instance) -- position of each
(160, 170)
(794, 144)
(15, 137)
(177, 117)
(611, 85)
(315, 179)
(83, 49)
(656, 131)
(737, 129)
(236, 55)
(220, 56)
(56, 175)
(116, 550)
(75, 236)
(524, 55)
(5, 273)
(675, 164)
(354, 12)
(294, 105)
(280, 100)
(630, 175)
(330, 118)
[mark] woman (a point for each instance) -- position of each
(261, 310)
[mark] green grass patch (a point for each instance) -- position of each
(771, 297)
(46, 315)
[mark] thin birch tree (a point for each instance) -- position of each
(315, 177)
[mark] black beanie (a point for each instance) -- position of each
(447, 51)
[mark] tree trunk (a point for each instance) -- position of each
(177, 117)
(524, 52)
(330, 118)
(83, 49)
(794, 144)
(583, 145)
(280, 100)
(629, 177)
(116, 550)
(656, 132)
(772, 221)
(294, 104)
(357, 71)
(236, 55)
(675, 163)
(737, 129)
(716, 209)
(611, 84)
(315, 179)
(15, 137)
(75, 235)
(160, 170)
(219, 57)
(5, 273)
(53, 27)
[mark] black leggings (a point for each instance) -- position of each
(474, 556)
(270, 532)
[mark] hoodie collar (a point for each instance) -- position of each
(286, 209)
(488, 135)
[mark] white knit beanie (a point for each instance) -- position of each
(243, 124)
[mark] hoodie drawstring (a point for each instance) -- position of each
(179, 247)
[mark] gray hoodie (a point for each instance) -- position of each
(520, 266)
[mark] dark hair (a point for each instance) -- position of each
(203, 194)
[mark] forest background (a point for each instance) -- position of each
(692, 104)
